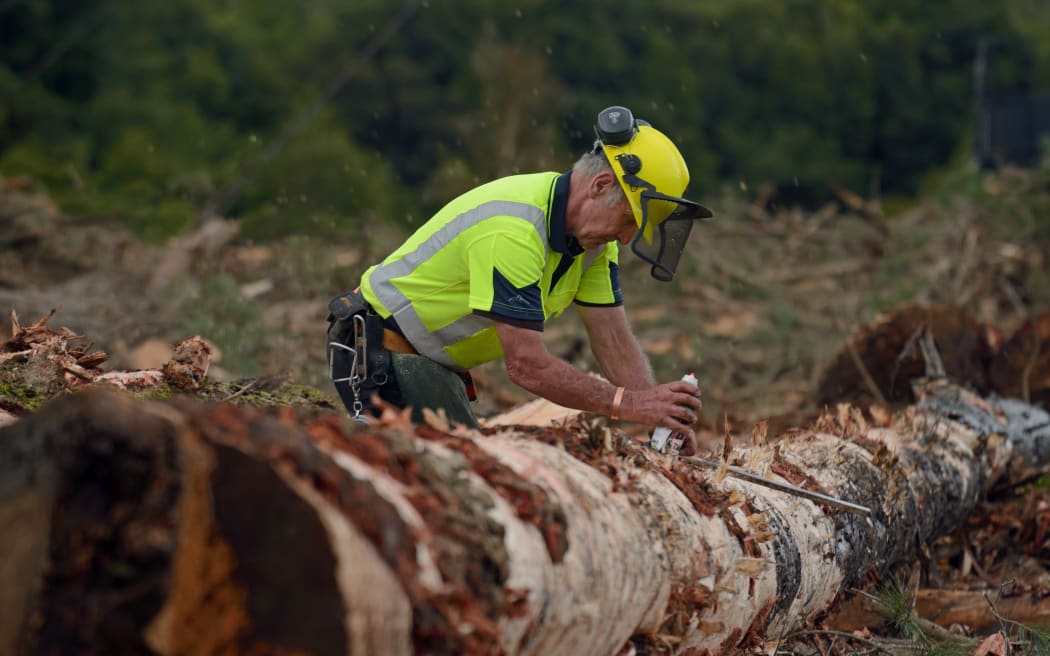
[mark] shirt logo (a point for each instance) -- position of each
(518, 299)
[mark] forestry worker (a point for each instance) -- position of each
(479, 279)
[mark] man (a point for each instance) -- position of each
(480, 278)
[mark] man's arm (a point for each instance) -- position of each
(530, 365)
(615, 347)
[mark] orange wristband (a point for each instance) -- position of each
(617, 399)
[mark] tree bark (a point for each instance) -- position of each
(178, 527)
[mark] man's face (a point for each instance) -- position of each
(604, 223)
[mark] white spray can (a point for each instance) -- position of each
(665, 441)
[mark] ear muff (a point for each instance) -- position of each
(616, 126)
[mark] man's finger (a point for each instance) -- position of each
(686, 415)
(689, 447)
(689, 401)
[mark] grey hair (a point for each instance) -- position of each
(590, 165)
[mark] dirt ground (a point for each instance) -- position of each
(763, 302)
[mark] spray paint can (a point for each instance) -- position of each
(663, 439)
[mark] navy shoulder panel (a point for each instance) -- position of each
(521, 303)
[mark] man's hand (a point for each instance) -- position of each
(529, 364)
(674, 405)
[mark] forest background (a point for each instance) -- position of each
(345, 124)
(324, 117)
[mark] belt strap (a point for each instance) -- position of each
(396, 343)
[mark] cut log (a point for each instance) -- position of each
(189, 528)
(537, 412)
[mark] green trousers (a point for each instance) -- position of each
(423, 383)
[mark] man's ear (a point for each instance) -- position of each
(601, 183)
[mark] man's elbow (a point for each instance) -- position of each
(518, 372)
(523, 372)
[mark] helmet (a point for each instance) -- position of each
(653, 176)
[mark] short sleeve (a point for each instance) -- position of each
(505, 272)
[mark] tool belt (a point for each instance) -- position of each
(358, 349)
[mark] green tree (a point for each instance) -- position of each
(270, 111)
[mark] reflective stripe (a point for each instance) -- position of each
(592, 255)
(431, 344)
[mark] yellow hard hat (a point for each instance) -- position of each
(653, 175)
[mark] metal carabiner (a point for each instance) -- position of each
(332, 346)
(353, 380)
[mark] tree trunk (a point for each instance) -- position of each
(179, 527)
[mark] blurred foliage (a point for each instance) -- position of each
(324, 117)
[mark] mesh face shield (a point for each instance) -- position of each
(669, 235)
(664, 222)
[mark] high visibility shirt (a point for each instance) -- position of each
(498, 252)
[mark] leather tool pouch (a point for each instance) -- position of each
(344, 306)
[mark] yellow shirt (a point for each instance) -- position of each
(496, 253)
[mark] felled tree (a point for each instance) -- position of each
(181, 527)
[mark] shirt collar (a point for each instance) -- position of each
(558, 239)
